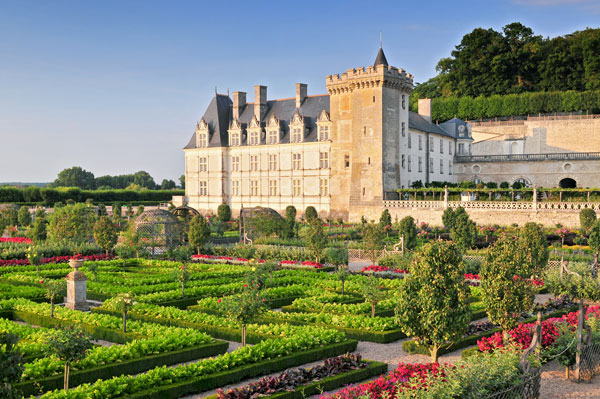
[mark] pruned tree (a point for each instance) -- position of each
(69, 345)
(372, 291)
(315, 237)
(105, 233)
(433, 305)
(199, 232)
(408, 230)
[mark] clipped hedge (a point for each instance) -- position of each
(225, 333)
(531, 103)
(208, 382)
(330, 383)
(129, 367)
(380, 337)
(412, 347)
(49, 196)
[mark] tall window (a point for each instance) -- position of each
(254, 163)
(254, 187)
(403, 129)
(234, 138)
(272, 187)
(235, 188)
(420, 142)
(450, 145)
(346, 161)
(431, 144)
(441, 146)
(273, 137)
(441, 166)
(297, 135)
(323, 132)
(430, 165)
(409, 161)
(403, 101)
(323, 187)
(323, 160)
(403, 161)
(409, 140)
(273, 162)
(449, 167)
(255, 138)
(297, 187)
(235, 164)
(297, 161)
(420, 164)
(203, 188)
(461, 149)
(202, 139)
(202, 164)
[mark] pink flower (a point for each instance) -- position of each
(219, 300)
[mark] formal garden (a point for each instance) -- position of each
(117, 303)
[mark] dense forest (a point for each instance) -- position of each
(516, 61)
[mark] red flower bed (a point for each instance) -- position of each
(228, 259)
(523, 333)
(54, 259)
(17, 240)
(373, 268)
(387, 386)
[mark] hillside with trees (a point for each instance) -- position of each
(519, 64)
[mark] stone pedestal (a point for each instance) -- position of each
(76, 287)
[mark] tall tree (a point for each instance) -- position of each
(105, 233)
(75, 177)
(315, 237)
(143, 179)
(199, 232)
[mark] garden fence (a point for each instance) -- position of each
(590, 361)
(529, 388)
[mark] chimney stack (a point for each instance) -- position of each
(239, 102)
(301, 91)
(425, 108)
(260, 101)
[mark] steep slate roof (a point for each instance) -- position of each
(452, 125)
(380, 59)
(417, 122)
(218, 116)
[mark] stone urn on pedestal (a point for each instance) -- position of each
(76, 287)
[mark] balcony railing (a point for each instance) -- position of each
(558, 156)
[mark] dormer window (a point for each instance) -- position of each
(202, 134)
(461, 131)
(254, 132)
(235, 133)
(297, 128)
(254, 138)
(273, 132)
(324, 125)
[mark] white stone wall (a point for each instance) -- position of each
(221, 179)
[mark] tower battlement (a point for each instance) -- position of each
(367, 77)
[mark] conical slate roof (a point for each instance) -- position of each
(380, 59)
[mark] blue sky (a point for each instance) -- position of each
(117, 86)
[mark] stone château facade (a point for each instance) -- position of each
(348, 151)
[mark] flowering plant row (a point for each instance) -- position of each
(16, 240)
(243, 261)
(382, 269)
(54, 259)
(523, 333)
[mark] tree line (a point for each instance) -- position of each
(83, 179)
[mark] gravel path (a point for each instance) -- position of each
(555, 386)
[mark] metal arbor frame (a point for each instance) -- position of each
(159, 230)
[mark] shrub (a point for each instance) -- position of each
(310, 213)
(587, 218)
(24, 217)
(408, 230)
(224, 213)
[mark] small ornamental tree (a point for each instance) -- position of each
(289, 225)
(336, 256)
(464, 231)
(224, 213)
(117, 211)
(372, 237)
(69, 345)
(24, 217)
(408, 230)
(55, 289)
(34, 259)
(594, 238)
(39, 231)
(532, 241)
(122, 302)
(342, 274)
(372, 292)
(268, 267)
(12, 366)
(587, 218)
(105, 233)
(385, 219)
(310, 213)
(181, 275)
(315, 237)
(199, 232)
(448, 218)
(243, 308)
(433, 305)
(505, 289)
